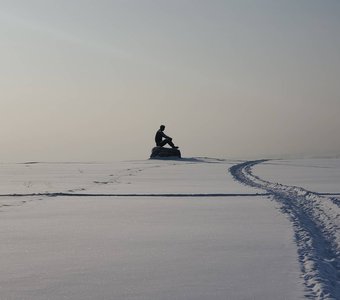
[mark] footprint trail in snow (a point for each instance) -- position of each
(316, 223)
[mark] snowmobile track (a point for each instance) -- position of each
(316, 224)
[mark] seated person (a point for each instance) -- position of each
(167, 140)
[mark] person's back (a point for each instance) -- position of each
(159, 136)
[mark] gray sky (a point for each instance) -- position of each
(94, 79)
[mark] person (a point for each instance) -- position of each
(162, 139)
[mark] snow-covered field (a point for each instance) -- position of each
(194, 228)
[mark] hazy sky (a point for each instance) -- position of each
(94, 79)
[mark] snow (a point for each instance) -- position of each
(316, 222)
(169, 229)
(149, 176)
(318, 175)
(157, 248)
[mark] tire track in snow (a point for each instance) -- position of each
(316, 223)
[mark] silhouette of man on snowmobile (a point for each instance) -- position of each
(162, 139)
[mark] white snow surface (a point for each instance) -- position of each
(315, 218)
(195, 175)
(169, 229)
(317, 175)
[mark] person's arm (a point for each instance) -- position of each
(165, 136)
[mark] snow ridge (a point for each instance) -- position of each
(180, 195)
(316, 223)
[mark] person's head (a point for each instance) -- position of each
(162, 127)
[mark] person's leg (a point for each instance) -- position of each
(167, 141)
(171, 144)
(163, 143)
